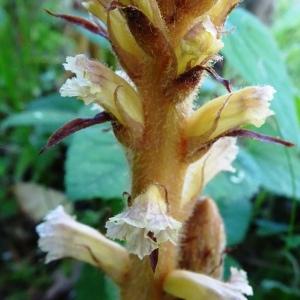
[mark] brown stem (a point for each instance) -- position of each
(158, 160)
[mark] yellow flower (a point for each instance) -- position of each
(61, 236)
(96, 83)
(200, 44)
(193, 286)
(250, 105)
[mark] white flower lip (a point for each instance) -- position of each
(76, 64)
(60, 235)
(80, 86)
(262, 96)
(145, 225)
(49, 229)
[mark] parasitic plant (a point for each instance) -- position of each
(174, 239)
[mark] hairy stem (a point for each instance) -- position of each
(158, 160)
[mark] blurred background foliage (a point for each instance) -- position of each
(88, 172)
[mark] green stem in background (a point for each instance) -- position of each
(259, 201)
(292, 222)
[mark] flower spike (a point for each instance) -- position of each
(165, 47)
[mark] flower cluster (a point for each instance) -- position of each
(164, 47)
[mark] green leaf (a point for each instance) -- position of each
(279, 168)
(95, 166)
(55, 102)
(51, 111)
(94, 285)
(53, 118)
(233, 193)
(253, 53)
